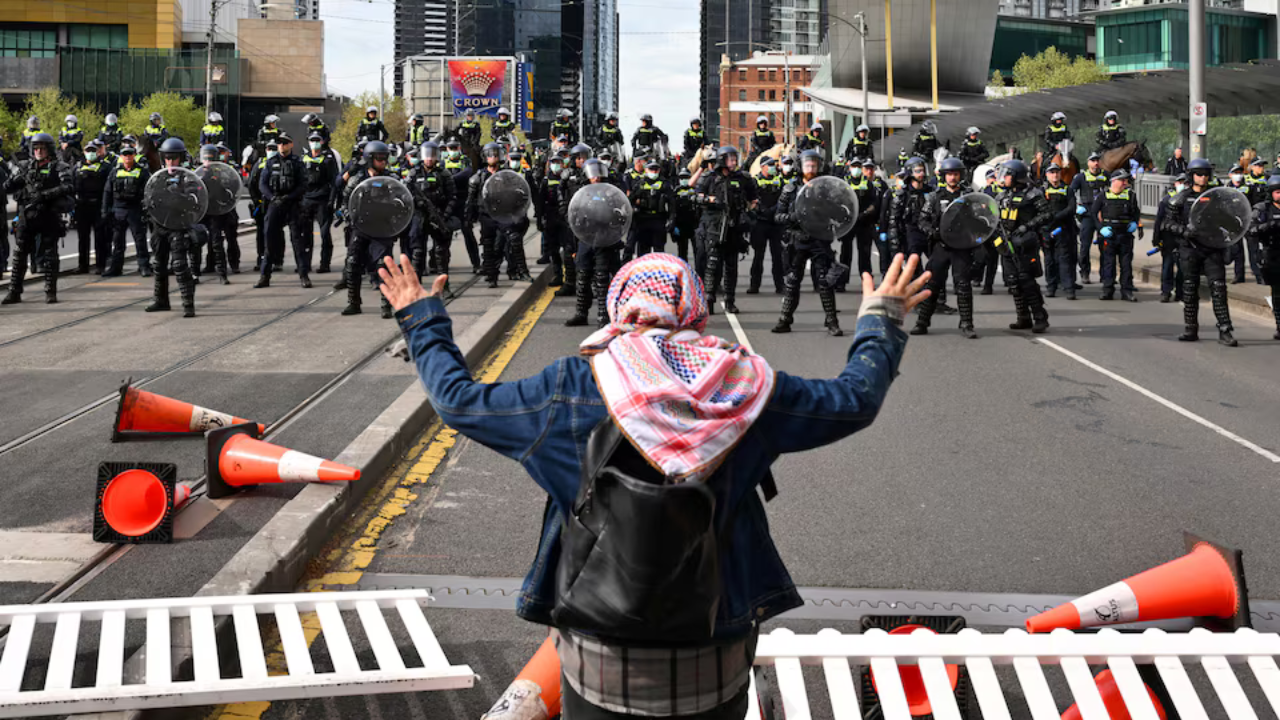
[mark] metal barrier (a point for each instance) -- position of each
(1218, 655)
(1151, 190)
(108, 690)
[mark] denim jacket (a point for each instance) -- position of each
(543, 423)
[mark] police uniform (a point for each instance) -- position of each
(172, 254)
(761, 140)
(1264, 233)
(213, 134)
(44, 192)
(563, 128)
(862, 236)
(319, 128)
(724, 229)
(1060, 253)
(973, 153)
(1170, 268)
(811, 141)
(90, 186)
(806, 249)
(1119, 214)
(433, 195)
(1110, 137)
(654, 203)
(596, 265)
(365, 252)
(555, 233)
(1086, 185)
(767, 234)
(941, 259)
(258, 212)
(646, 138)
(282, 183)
(371, 130)
(157, 133)
(686, 224)
(415, 135)
(1257, 185)
(110, 135)
(73, 138)
(320, 173)
(924, 144)
(1054, 134)
(494, 235)
(1023, 212)
(501, 128)
(461, 171)
(123, 204)
(859, 149)
(694, 140)
(1198, 259)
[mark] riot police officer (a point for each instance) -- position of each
(596, 265)
(490, 228)
(943, 257)
(1111, 135)
(1086, 186)
(282, 183)
(926, 141)
(371, 127)
(1264, 234)
(1256, 181)
(90, 178)
(1023, 212)
(812, 140)
(860, 146)
(867, 188)
(110, 134)
(1119, 217)
(366, 251)
(123, 203)
(44, 186)
(1170, 268)
(725, 193)
(546, 210)
(172, 246)
(315, 126)
(512, 245)
(220, 229)
(1198, 259)
(647, 137)
(695, 138)
(320, 173)
(762, 139)
(563, 126)
(806, 249)
(686, 224)
(1056, 132)
(1060, 235)
(906, 233)
(258, 208)
(653, 200)
(155, 130)
(71, 139)
(973, 152)
(433, 194)
(766, 233)
(610, 134)
(456, 164)
(417, 132)
(503, 125)
(213, 133)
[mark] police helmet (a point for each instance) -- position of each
(953, 164)
(811, 155)
(213, 117)
(1058, 116)
(155, 118)
(491, 150)
(605, 155)
(1095, 156)
(270, 120)
(42, 139)
(915, 160)
(863, 129)
(1018, 170)
(504, 111)
(173, 146)
(111, 119)
(611, 116)
(373, 148)
(815, 126)
(471, 113)
(973, 130)
(581, 150)
(564, 114)
(430, 150)
(695, 121)
(761, 119)
(1273, 183)
(417, 117)
(1111, 115)
(33, 122)
(646, 118)
(594, 169)
(723, 154)
(71, 121)
(371, 109)
(1121, 175)
(929, 127)
(208, 152)
(310, 118)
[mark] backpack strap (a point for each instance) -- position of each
(601, 444)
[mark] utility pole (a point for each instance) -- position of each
(1196, 79)
(933, 48)
(862, 43)
(208, 70)
(888, 50)
(786, 75)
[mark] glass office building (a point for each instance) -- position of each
(1155, 37)
(1018, 36)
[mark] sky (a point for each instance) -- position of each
(658, 56)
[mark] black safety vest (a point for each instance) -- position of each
(1117, 208)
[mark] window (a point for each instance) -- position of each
(760, 75)
(742, 75)
(773, 76)
(795, 96)
(742, 95)
(742, 120)
(773, 94)
(27, 40)
(761, 94)
(98, 36)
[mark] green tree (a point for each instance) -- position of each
(182, 117)
(1053, 69)
(10, 129)
(52, 107)
(997, 80)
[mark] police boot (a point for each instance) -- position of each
(924, 315)
(1023, 321)
(600, 288)
(144, 268)
(1275, 308)
(1222, 313)
(419, 261)
(790, 300)
(304, 278)
(582, 305)
(1039, 316)
(964, 299)
(51, 284)
(943, 307)
(187, 288)
(387, 312)
(518, 265)
(569, 288)
(832, 322)
(16, 279)
(352, 283)
(160, 296)
(1190, 311)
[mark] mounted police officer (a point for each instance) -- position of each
(762, 139)
(1060, 235)
(156, 130)
(1111, 135)
(468, 133)
(417, 132)
(282, 184)
(1198, 259)
(371, 127)
(766, 233)
(32, 130)
(926, 141)
(1119, 217)
(806, 249)
(1264, 234)
(1086, 186)
(695, 138)
(610, 134)
(860, 147)
(1023, 212)
(110, 134)
(71, 140)
(122, 205)
(646, 138)
(1056, 132)
(725, 194)
(213, 133)
(44, 189)
(172, 246)
(973, 152)
(563, 126)
(812, 140)
(503, 125)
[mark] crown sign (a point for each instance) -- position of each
(476, 82)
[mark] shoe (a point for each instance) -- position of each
(306, 281)
(492, 284)
(711, 304)
(1086, 280)
(157, 307)
(946, 309)
(1226, 338)
(340, 285)
(11, 299)
(475, 269)
(387, 312)
(195, 279)
(834, 330)
(544, 260)
(263, 282)
(1107, 296)
(322, 269)
(1071, 294)
(753, 290)
(145, 271)
(1128, 297)
(777, 291)
(83, 270)
(730, 308)
(1022, 323)
(235, 269)
(987, 291)
(782, 327)
(208, 270)
(555, 282)
(111, 273)
(1077, 286)
(1190, 334)
(919, 330)
(968, 332)
(188, 311)
(50, 299)
(576, 321)
(1041, 326)
(841, 288)
(278, 267)
(1051, 293)
(222, 280)
(566, 291)
(523, 277)
(351, 310)
(1165, 298)
(1238, 281)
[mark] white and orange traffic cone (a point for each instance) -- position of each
(237, 458)
(535, 693)
(1206, 583)
(1114, 701)
(913, 682)
(136, 502)
(145, 413)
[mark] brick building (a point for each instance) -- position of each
(759, 86)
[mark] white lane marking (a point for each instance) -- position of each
(1167, 403)
(738, 331)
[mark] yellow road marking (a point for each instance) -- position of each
(353, 548)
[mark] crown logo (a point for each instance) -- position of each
(476, 82)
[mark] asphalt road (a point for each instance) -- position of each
(998, 465)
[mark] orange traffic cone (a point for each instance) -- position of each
(1113, 700)
(236, 459)
(535, 694)
(144, 413)
(1207, 582)
(136, 502)
(913, 682)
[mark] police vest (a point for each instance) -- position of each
(417, 133)
(91, 168)
(695, 134)
(973, 143)
(270, 132)
(770, 182)
(923, 137)
(1056, 195)
(1116, 208)
(212, 130)
(316, 129)
(860, 185)
(1009, 209)
(152, 130)
(1109, 128)
(126, 183)
(764, 133)
(27, 133)
(453, 165)
(1056, 130)
(857, 141)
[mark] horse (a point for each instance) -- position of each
(777, 152)
(1064, 159)
(147, 149)
(1119, 157)
(1247, 156)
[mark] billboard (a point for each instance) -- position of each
(524, 95)
(477, 85)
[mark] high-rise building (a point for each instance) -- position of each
(423, 27)
(737, 28)
(1051, 9)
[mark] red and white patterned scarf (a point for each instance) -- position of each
(684, 399)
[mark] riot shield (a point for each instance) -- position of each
(968, 221)
(505, 197)
(223, 184)
(1220, 217)
(599, 215)
(175, 198)
(380, 207)
(826, 208)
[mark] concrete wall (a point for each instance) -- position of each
(27, 75)
(282, 58)
(966, 30)
(152, 23)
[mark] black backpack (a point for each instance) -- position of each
(639, 560)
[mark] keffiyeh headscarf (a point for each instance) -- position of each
(684, 399)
